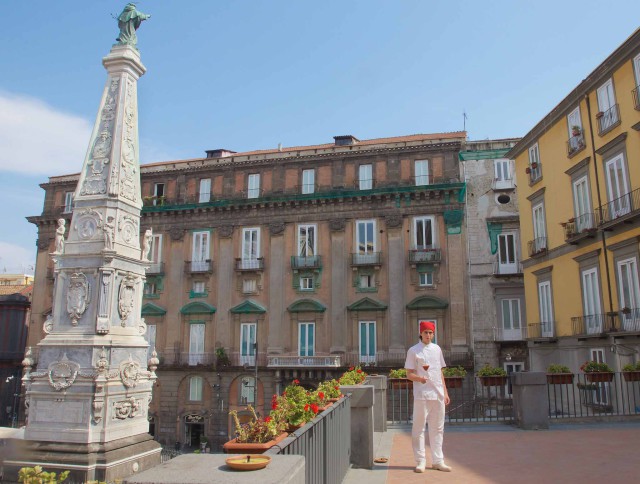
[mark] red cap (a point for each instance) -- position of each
(427, 325)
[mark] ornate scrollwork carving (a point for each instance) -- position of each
(176, 233)
(393, 221)
(63, 373)
(337, 224)
(128, 408)
(78, 295)
(225, 231)
(98, 406)
(128, 228)
(130, 372)
(276, 228)
(47, 327)
(126, 297)
(87, 222)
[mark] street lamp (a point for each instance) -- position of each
(14, 418)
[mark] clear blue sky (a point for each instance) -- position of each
(249, 74)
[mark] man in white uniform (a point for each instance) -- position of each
(424, 367)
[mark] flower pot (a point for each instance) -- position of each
(400, 383)
(560, 378)
(334, 400)
(453, 381)
(233, 447)
(493, 381)
(292, 428)
(326, 405)
(599, 376)
(631, 375)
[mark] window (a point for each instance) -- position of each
(306, 332)
(539, 230)
(423, 233)
(253, 185)
(591, 301)
(629, 291)
(607, 106)
(250, 248)
(150, 288)
(195, 388)
(582, 205)
(636, 68)
(200, 257)
(306, 240)
(308, 181)
(249, 286)
(502, 174)
(365, 177)
(365, 241)
(158, 194)
(68, 202)
(196, 343)
(425, 279)
(155, 254)
(545, 306)
(422, 172)
(247, 344)
(512, 367)
(507, 261)
(534, 164)
(576, 136)
(205, 190)
(367, 281)
(367, 341)
(511, 319)
(617, 187)
(247, 390)
(306, 283)
(151, 339)
(198, 287)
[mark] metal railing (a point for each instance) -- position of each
(629, 320)
(579, 227)
(475, 400)
(503, 184)
(295, 361)
(589, 324)
(607, 120)
(195, 359)
(504, 269)
(238, 359)
(515, 334)
(156, 268)
(619, 209)
(599, 395)
(306, 262)
(204, 197)
(537, 246)
(369, 259)
(325, 443)
(543, 329)
(574, 144)
(535, 172)
(425, 255)
(195, 266)
(636, 100)
(250, 264)
(167, 454)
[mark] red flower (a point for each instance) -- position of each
(267, 419)
(284, 394)
(351, 368)
(337, 387)
(306, 407)
(359, 370)
(314, 407)
(321, 395)
(296, 382)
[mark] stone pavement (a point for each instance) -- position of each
(568, 452)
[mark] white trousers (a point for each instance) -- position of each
(431, 411)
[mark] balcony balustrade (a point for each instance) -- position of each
(295, 361)
(609, 119)
(156, 268)
(535, 172)
(636, 100)
(511, 334)
(537, 246)
(501, 268)
(306, 262)
(578, 228)
(629, 320)
(199, 266)
(541, 330)
(589, 324)
(367, 259)
(238, 359)
(250, 264)
(575, 144)
(428, 255)
(619, 210)
(194, 359)
(503, 184)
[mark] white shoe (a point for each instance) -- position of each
(421, 467)
(441, 467)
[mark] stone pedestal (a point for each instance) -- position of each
(530, 400)
(379, 383)
(362, 427)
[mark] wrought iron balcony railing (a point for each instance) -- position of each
(295, 361)
(537, 246)
(575, 144)
(503, 184)
(430, 255)
(636, 100)
(589, 324)
(629, 320)
(194, 359)
(250, 264)
(619, 210)
(541, 330)
(514, 334)
(579, 227)
(196, 266)
(607, 120)
(306, 262)
(368, 259)
(156, 268)
(535, 172)
(506, 268)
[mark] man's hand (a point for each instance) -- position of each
(447, 400)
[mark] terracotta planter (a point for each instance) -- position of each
(453, 381)
(631, 375)
(334, 400)
(327, 404)
(560, 378)
(493, 381)
(293, 428)
(400, 383)
(233, 447)
(599, 376)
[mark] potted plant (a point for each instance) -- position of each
(398, 379)
(292, 407)
(576, 130)
(597, 372)
(454, 376)
(354, 376)
(491, 376)
(534, 165)
(559, 375)
(331, 389)
(631, 372)
(222, 359)
(256, 436)
(527, 170)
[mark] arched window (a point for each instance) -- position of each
(247, 390)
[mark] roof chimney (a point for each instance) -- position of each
(344, 140)
(219, 153)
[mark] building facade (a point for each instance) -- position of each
(579, 202)
(496, 285)
(288, 263)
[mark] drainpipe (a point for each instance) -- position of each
(466, 227)
(602, 237)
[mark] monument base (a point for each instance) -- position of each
(87, 462)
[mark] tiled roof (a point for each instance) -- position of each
(6, 290)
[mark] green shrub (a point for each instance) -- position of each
(36, 475)
(632, 367)
(596, 367)
(400, 373)
(558, 369)
(454, 371)
(487, 370)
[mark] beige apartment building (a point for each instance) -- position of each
(287, 263)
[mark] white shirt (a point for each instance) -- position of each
(430, 354)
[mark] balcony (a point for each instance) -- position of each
(513, 334)
(578, 228)
(535, 172)
(293, 361)
(622, 209)
(507, 268)
(592, 324)
(502, 184)
(248, 360)
(629, 320)
(537, 247)
(250, 264)
(607, 120)
(158, 201)
(301, 262)
(575, 144)
(636, 100)
(195, 359)
(199, 266)
(544, 330)
(429, 256)
(253, 193)
(156, 269)
(368, 259)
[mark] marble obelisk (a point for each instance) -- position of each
(88, 390)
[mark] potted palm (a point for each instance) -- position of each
(597, 372)
(559, 375)
(631, 372)
(454, 376)
(256, 436)
(491, 376)
(398, 379)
